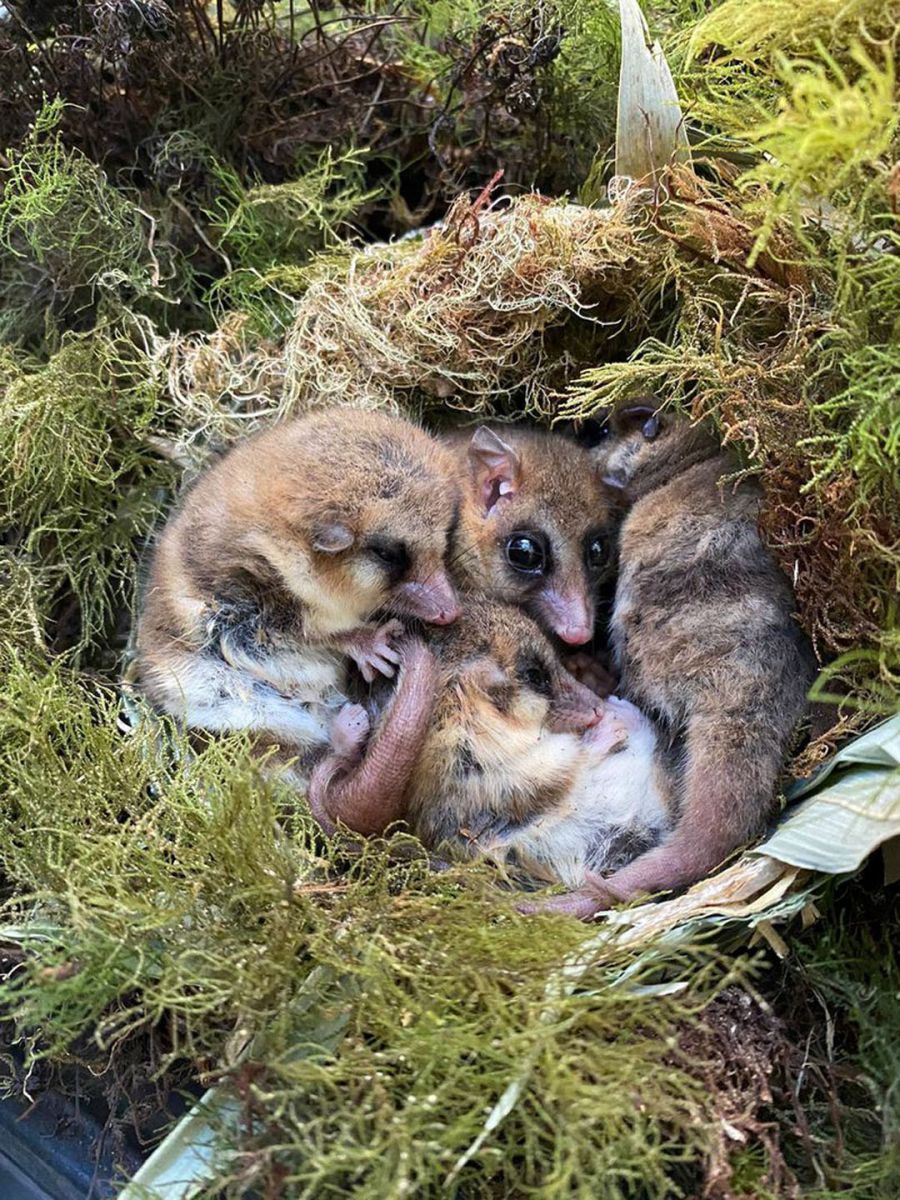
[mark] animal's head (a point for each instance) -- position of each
(506, 737)
(533, 527)
(640, 447)
(358, 512)
(501, 666)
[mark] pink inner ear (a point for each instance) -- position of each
(495, 488)
(496, 465)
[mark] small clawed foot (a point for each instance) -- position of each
(571, 904)
(595, 897)
(349, 731)
(373, 651)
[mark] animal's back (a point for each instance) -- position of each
(703, 614)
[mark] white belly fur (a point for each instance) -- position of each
(616, 794)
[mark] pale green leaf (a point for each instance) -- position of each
(650, 131)
(839, 825)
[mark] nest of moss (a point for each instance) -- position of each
(383, 1030)
(504, 309)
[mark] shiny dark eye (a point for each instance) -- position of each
(390, 553)
(534, 674)
(527, 553)
(596, 554)
(592, 432)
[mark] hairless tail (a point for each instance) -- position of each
(369, 795)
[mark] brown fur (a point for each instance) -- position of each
(552, 490)
(502, 753)
(522, 764)
(500, 747)
(704, 637)
(268, 573)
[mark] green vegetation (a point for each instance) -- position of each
(188, 202)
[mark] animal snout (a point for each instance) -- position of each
(568, 717)
(433, 600)
(569, 612)
(576, 633)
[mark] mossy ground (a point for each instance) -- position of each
(181, 233)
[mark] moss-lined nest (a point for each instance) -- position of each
(503, 309)
(386, 1031)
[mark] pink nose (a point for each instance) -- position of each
(433, 600)
(568, 611)
(575, 635)
(446, 615)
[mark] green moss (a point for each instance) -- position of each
(848, 966)
(733, 62)
(67, 237)
(833, 130)
(387, 1006)
(82, 486)
(268, 230)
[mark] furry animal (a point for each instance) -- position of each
(520, 762)
(362, 784)
(263, 585)
(704, 638)
(532, 526)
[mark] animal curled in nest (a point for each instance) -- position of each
(703, 637)
(263, 587)
(519, 762)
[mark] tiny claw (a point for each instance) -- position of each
(372, 651)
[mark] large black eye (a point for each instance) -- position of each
(389, 553)
(526, 553)
(592, 432)
(595, 554)
(534, 673)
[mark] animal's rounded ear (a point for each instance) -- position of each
(641, 413)
(497, 466)
(331, 537)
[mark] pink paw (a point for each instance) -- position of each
(349, 730)
(595, 897)
(373, 652)
(609, 734)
